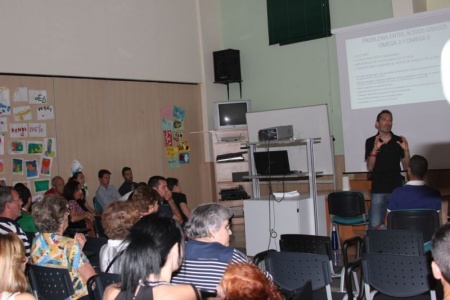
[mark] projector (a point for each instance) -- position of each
(276, 133)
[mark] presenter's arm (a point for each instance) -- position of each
(404, 144)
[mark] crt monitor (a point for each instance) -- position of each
(231, 114)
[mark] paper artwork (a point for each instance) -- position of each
(50, 147)
(45, 113)
(41, 186)
(167, 137)
(2, 166)
(35, 147)
(18, 130)
(177, 136)
(184, 157)
(5, 104)
(171, 151)
(37, 96)
(21, 94)
(3, 124)
(16, 147)
(31, 167)
(22, 113)
(166, 112)
(2, 144)
(46, 166)
(178, 113)
(37, 129)
(173, 163)
(166, 124)
(178, 124)
(17, 168)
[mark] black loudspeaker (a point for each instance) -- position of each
(227, 66)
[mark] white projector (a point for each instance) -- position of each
(276, 133)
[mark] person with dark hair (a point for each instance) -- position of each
(25, 221)
(145, 200)
(245, 281)
(128, 185)
(416, 194)
(79, 176)
(154, 251)
(106, 193)
(440, 249)
(180, 199)
(78, 218)
(208, 250)
(52, 249)
(117, 219)
(384, 152)
(10, 210)
(167, 207)
(57, 186)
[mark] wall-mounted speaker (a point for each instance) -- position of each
(227, 66)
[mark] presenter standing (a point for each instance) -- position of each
(384, 152)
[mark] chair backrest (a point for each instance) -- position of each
(396, 275)
(393, 241)
(305, 243)
(99, 231)
(50, 283)
(97, 206)
(423, 220)
(92, 249)
(96, 284)
(291, 270)
(346, 204)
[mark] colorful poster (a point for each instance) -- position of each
(173, 163)
(167, 137)
(17, 147)
(46, 166)
(184, 157)
(37, 130)
(41, 186)
(178, 124)
(5, 104)
(166, 112)
(18, 130)
(3, 124)
(50, 147)
(171, 151)
(166, 124)
(17, 164)
(45, 113)
(21, 94)
(2, 166)
(35, 147)
(37, 96)
(31, 167)
(178, 113)
(2, 144)
(22, 113)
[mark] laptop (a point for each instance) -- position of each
(272, 163)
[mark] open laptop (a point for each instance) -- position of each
(272, 163)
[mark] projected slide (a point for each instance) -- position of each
(396, 67)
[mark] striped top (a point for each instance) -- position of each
(8, 225)
(205, 264)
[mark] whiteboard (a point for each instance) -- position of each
(308, 122)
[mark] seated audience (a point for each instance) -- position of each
(57, 186)
(155, 250)
(167, 207)
(14, 284)
(52, 249)
(106, 193)
(145, 200)
(416, 194)
(128, 185)
(117, 219)
(78, 218)
(208, 252)
(245, 281)
(180, 199)
(79, 176)
(440, 248)
(25, 221)
(129, 195)
(10, 210)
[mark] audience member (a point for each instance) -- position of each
(78, 218)
(145, 200)
(128, 185)
(180, 199)
(25, 221)
(245, 281)
(208, 252)
(155, 250)
(384, 152)
(57, 186)
(10, 210)
(415, 194)
(440, 248)
(117, 219)
(52, 249)
(106, 193)
(14, 284)
(167, 207)
(129, 195)
(79, 176)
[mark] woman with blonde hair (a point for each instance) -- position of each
(14, 284)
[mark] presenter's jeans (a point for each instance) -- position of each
(378, 208)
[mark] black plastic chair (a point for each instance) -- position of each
(402, 276)
(423, 220)
(260, 259)
(405, 242)
(50, 283)
(96, 284)
(92, 249)
(98, 227)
